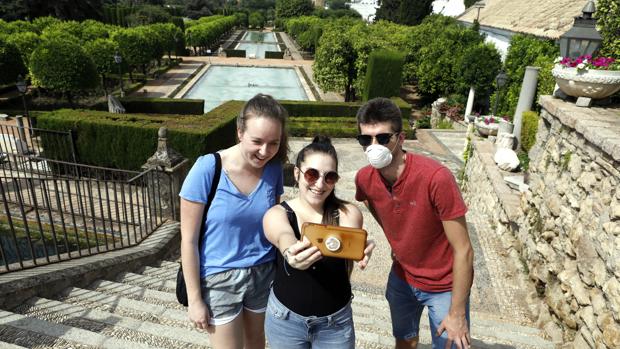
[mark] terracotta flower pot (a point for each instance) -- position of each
(592, 83)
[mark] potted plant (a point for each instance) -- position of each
(586, 76)
(488, 125)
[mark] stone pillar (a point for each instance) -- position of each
(470, 103)
(526, 99)
(435, 113)
(171, 168)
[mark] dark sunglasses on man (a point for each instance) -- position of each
(312, 175)
(382, 138)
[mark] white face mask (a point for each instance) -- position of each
(378, 155)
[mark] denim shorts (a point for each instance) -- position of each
(228, 292)
(288, 330)
(406, 306)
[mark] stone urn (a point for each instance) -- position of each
(591, 83)
(486, 129)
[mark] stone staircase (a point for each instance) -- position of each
(139, 310)
(452, 141)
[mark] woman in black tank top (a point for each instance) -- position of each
(310, 302)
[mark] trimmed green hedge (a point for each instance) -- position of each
(335, 109)
(163, 106)
(346, 127)
(383, 75)
(274, 54)
(234, 53)
(126, 141)
(528, 130)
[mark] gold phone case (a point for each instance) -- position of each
(334, 241)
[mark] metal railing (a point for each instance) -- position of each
(53, 210)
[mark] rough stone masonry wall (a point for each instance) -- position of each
(566, 228)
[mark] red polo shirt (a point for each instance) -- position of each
(411, 213)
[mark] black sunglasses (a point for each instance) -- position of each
(312, 175)
(382, 138)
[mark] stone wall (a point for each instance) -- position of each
(564, 232)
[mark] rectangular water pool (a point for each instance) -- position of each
(256, 43)
(224, 83)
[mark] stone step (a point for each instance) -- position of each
(371, 312)
(113, 325)
(48, 333)
(171, 265)
(5, 345)
(124, 306)
(167, 299)
(153, 283)
(161, 273)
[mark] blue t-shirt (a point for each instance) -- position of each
(234, 236)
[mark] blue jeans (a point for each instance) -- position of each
(288, 330)
(406, 305)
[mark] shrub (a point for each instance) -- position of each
(63, 66)
(11, 63)
(164, 106)
(529, 129)
(383, 75)
(274, 54)
(335, 109)
(126, 141)
(235, 53)
(524, 50)
(608, 19)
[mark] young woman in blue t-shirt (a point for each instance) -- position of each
(310, 302)
(228, 277)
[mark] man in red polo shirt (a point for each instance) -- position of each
(418, 204)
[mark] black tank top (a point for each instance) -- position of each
(320, 290)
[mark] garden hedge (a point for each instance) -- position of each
(345, 127)
(163, 106)
(335, 109)
(274, 54)
(234, 53)
(529, 129)
(383, 75)
(126, 141)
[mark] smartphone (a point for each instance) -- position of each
(335, 241)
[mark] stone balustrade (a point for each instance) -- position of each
(564, 232)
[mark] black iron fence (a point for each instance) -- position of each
(55, 210)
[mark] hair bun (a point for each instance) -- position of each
(322, 140)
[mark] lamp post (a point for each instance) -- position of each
(21, 87)
(582, 38)
(118, 59)
(500, 81)
(479, 5)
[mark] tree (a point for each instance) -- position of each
(468, 3)
(293, 8)
(334, 64)
(608, 14)
(148, 14)
(102, 52)
(412, 12)
(63, 66)
(195, 9)
(11, 63)
(337, 5)
(478, 67)
(256, 20)
(11, 10)
(388, 10)
(408, 12)
(65, 9)
(26, 43)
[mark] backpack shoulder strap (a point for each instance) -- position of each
(214, 183)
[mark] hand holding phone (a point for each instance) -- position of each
(335, 241)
